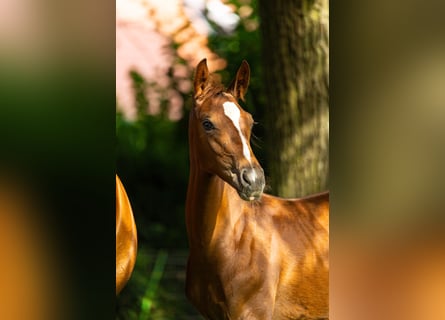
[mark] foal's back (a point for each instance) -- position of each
(300, 233)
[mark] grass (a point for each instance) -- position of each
(156, 288)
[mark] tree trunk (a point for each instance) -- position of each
(295, 49)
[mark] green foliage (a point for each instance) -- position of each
(156, 288)
(152, 161)
(243, 43)
(153, 284)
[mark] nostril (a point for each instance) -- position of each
(248, 177)
(245, 178)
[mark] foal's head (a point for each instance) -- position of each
(221, 130)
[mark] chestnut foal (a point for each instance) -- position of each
(252, 255)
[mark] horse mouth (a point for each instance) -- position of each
(250, 196)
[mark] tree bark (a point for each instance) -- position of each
(295, 50)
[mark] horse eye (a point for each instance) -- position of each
(208, 125)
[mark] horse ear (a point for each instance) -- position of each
(201, 76)
(238, 87)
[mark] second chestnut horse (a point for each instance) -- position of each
(126, 237)
(252, 255)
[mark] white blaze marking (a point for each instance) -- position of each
(233, 113)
